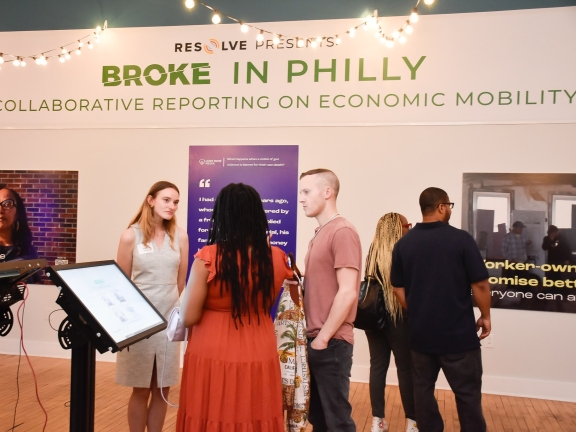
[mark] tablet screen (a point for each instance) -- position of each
(112, 299)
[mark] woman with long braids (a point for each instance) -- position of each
(395, 336)
(153, 251)
(231, 378)
(15, 234)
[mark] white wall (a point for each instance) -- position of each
(381, 169)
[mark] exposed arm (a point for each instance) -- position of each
(183, 268)
(125, 250)
(343, 302)
(481, 294)
(400, 294)
(195, 293)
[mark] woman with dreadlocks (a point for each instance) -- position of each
(231, 377)
(394, 338)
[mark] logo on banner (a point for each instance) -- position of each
(210, 161)
(204, 183)
(212, 46)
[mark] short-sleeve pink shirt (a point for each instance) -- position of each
(336, 245)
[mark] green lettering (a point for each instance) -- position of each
(198, 75)
(413, 68)
(361, 76)
(250, 68)
(111, 76)
(292, 73)
(464, 101)
(385, 76)
(131, 74)
(155, 67)
(318, 70)
(178, 74)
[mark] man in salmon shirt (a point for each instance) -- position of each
(331, 285)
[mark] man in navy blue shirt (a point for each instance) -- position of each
(436, 270)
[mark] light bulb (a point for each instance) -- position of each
(390, 43)
(276, 40)
(414, 16)
(37, 60)
(352, 32)
(428, 2)
(300, 43)
(22, 62)
(260, 36)
(189, 4)
(338, 40)
(408, 29)
(80, 44)
(383, 39)
(67, 56)
(314, 44)
(90, 45)
(64, 50)
(402, 39)
(216, 18)
(98, 29)
(395, 34)
(244, 28)
(1, 58)
(16, 62)
(78, 51)
(62, 59)
(319, 39)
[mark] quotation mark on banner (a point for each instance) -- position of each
(204, 183)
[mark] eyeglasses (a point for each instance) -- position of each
(7, 204)
(448, 204)
(407, 225)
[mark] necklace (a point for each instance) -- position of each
(323, 225)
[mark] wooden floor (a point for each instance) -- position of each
(502, 413)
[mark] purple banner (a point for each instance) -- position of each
(271, 170)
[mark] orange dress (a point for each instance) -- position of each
(231, 377)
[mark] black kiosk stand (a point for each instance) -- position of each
(106, 312)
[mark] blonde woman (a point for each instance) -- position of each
(154, 252)
(395, 337)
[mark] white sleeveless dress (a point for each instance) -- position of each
(156, 274)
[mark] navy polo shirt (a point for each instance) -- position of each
(436, 263)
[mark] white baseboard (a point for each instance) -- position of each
(505, 386)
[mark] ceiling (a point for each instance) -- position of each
(24, 15)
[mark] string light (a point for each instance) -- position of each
(78, 51)
(62, 59)
(1, 58)
(16, 62)
(67, 56)
(402, 39)
(90, 46)
(369, 22)
(22, 62)
(390, 43)
(276, 40)
(64, 50)
(80, 44)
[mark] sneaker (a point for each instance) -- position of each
(411, 426)
(379, 425)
